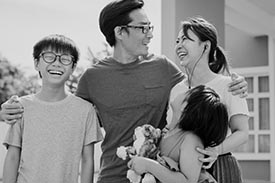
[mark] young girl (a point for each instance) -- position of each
(203, 123)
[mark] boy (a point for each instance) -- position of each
(57, 128)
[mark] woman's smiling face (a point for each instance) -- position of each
(188, 47)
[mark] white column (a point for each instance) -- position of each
(271, 60)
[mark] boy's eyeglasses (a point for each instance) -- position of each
(50, 57)
(144, 28)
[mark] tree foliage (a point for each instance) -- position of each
(14, 82)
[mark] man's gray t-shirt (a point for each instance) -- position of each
(127, 96)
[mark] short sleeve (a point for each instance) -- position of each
(14, 134)
(93, 132)
(82, 87)
(237, 105)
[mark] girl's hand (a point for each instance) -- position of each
(211, 155)
(238, 86)
(138, 164)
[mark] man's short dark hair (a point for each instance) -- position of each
(115, 14)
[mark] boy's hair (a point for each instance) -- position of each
(115, 14)
(56, 43)
(205, 115)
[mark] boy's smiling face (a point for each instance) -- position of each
(54, 73)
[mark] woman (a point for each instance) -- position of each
(202, 57)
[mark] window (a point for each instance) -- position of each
(259, 102)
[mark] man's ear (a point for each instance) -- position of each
(118, 32)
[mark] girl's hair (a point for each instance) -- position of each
(205, 115)
(207, 32)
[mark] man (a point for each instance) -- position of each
(127, 91)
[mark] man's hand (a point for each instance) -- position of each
(238, 86)
(11, 110)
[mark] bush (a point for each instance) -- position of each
(13, 81)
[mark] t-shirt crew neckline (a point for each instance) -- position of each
(115, 62)
(60, 102)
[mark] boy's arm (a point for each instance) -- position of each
(11, 165)
(87, 164)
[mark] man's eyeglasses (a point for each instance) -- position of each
(50, 57)
(144, 28)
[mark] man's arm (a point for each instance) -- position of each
(11, 165)
(87, 164)
(11, 110)
(238, 86)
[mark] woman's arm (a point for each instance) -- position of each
(190, 167)
(11, 165)
(176, 107)
(87, 164)
(239, 128)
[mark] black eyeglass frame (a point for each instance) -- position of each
(55, 57)
(144, 28)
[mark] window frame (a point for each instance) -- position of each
(255, 73)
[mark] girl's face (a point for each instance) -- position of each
(188, 50)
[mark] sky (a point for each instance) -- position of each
(24, 22)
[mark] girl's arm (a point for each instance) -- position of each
(11, 165)
(190, 167)
(87, 164)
